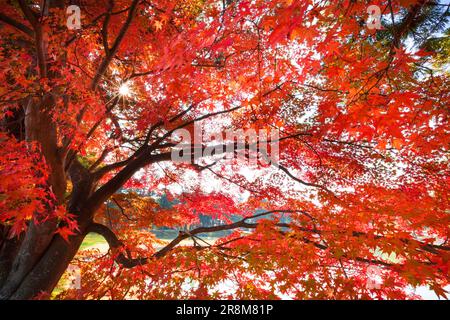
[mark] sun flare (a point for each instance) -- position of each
(124, 89)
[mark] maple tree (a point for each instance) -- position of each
(86, 141)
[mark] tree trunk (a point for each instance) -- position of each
(44, 267)
(46, 273)
(34, 263)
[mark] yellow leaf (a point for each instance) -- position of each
(158, 25)
(397, 144)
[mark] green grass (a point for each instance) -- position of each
(92, 239)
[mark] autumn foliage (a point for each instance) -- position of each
(86, 132)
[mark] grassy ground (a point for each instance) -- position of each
(92, 240)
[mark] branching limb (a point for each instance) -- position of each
(114, 243)
(16, 24)
(113, 50)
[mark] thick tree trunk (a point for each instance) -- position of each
(34, 263)
(39, 128)
(8, 251)
(48, 270)
(43, 269)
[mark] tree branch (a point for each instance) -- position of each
(38, 35)
(133, 165)
(115, 243)
(16, 24)
(128, 262)
(112, 52)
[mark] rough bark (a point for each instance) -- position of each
(34, 264)
(48, 270)
(40, 128)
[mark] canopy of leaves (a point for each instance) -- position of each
(363, 116)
